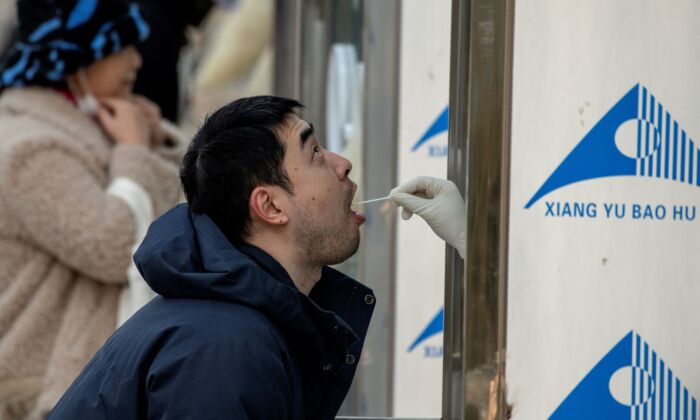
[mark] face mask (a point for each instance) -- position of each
(87, 103)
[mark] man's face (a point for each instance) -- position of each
(323, 225)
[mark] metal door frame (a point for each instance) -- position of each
(479, 162)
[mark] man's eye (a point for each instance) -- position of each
(317, 150)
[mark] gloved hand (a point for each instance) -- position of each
(438, 202)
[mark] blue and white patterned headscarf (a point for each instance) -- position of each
(58, 37)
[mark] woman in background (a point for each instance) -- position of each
(83, 170)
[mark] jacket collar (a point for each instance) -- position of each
(267, 263)
(331, 294)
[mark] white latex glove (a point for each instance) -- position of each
(439, 202)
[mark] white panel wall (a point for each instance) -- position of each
(424, 95)
(603, 308)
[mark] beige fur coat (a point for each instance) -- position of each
(65, 242)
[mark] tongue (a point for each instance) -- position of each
(359, 217)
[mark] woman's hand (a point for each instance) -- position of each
(125, 122)
(154, 117)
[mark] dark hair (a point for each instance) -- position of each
(236, 150)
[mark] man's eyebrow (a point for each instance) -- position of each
(305, 134)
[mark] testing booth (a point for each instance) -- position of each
(569, 128)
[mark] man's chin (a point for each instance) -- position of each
(355, 247)
(345, 254)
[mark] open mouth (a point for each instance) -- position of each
(356, 215)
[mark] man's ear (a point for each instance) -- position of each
(265, 205)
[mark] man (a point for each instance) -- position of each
(250, 322)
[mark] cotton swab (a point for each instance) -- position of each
(373, 200)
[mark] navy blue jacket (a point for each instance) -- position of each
(229, 337)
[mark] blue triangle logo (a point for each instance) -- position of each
(440, 125)
(435, 326)
(656, 147)
(630, 382)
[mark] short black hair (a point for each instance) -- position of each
(236, 150)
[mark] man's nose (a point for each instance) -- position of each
(342, 166)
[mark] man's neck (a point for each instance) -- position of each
(303, 276)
